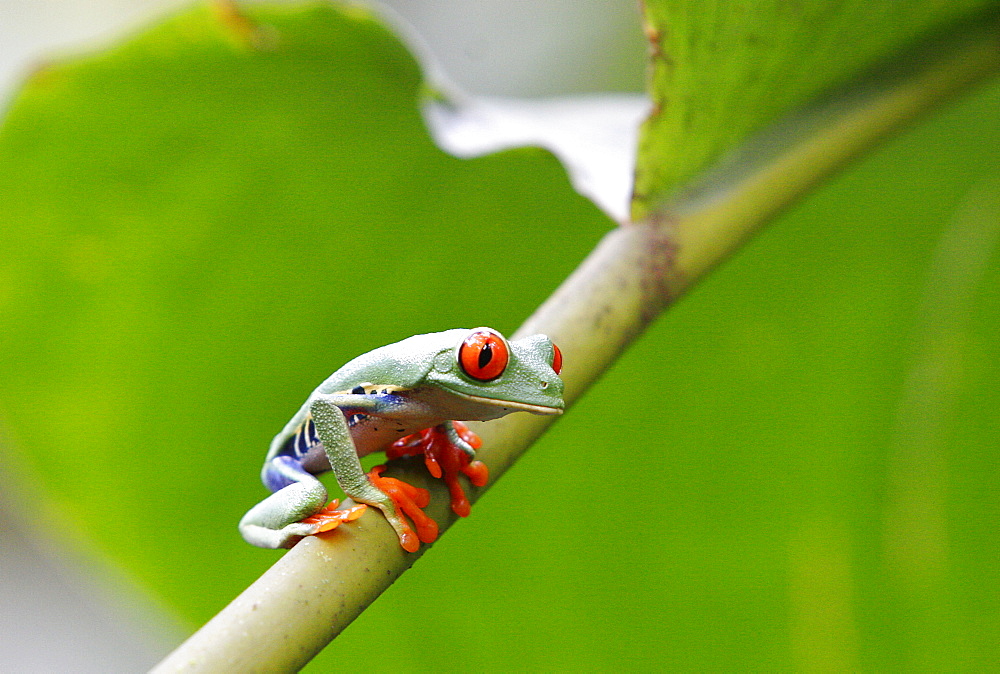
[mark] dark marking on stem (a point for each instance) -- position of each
(659, 280)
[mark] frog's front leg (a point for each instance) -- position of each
(398, 497)
(449, 449)
(276, 522)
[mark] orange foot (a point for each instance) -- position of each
(330, 518)
(443, 458)
(408, 500)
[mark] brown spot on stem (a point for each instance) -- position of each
(659, 279)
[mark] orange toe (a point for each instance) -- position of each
(445, 460)
(478, 473)
(409, 501)
(454, 461)
(330, 518)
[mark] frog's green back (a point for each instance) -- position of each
(404, 364)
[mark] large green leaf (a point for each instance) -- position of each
(196, 233)
(723, 70)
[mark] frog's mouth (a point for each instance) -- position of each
(512, 404)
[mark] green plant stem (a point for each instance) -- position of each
(324, 582)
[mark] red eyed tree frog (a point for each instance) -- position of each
(404, 398)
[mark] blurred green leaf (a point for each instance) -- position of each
(196, 233)
(723, 70)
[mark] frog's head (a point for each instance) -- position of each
(484, 367)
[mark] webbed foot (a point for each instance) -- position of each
(330, 518)
(444, 458)
(407, 500)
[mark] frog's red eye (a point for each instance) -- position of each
(556, 359)
(484, 355)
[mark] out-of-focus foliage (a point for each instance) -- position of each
(722, 70)
(195, 233)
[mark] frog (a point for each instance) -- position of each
(407, 398)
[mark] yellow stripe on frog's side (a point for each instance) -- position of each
(301, 440)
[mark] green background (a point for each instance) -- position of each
(196, 233)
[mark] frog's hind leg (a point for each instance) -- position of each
(276, 522)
